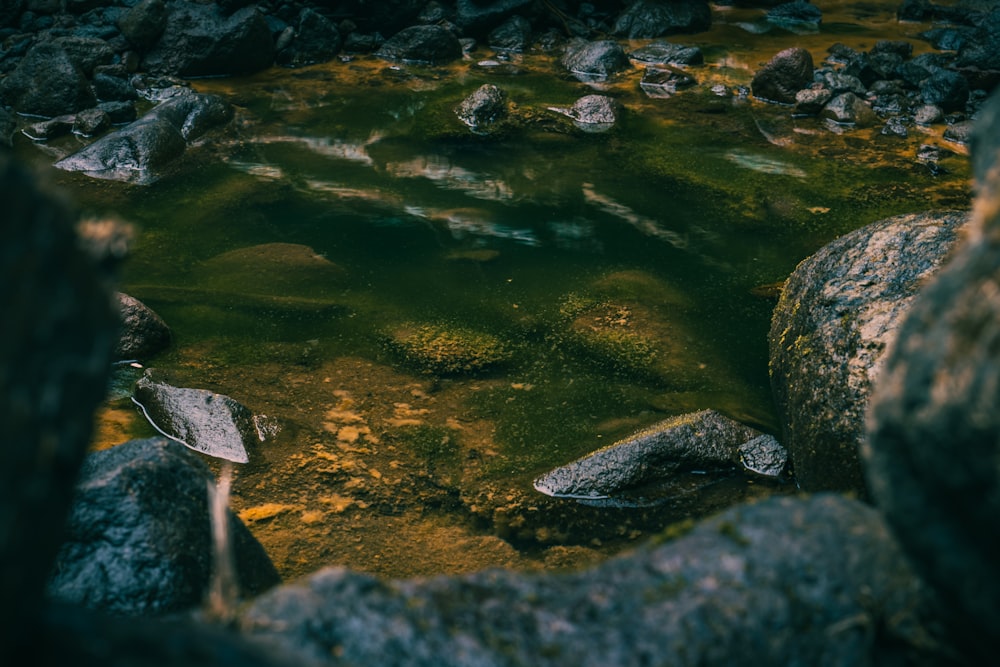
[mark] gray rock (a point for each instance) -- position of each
(87, 53)
(960, 132)
(55, 364)
(206, 422)
(788, 72)
(91, 122)
(812, 581)
(655, 18)
(139, 538)
(946, 89)
(46, 82)
(928, 114)
(595, 60)
(592, 113)
(317, 40)
(514, 34)
(849, 109)
(483, 108)
(664, 82)
(423, 44)
(664, 53)
(810, 101)
(143, 334)
(764, 455)
(143, 23)
(837, 312)
(934, 428)
(703, 440)
(797, 15)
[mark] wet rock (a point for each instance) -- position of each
(928, 114)
(483, 108)
(810, 101)
(655, 18)
(664, 82)
(798, 15)
(786, 575)
(143, 23)
(113, 89)
(592, 113)
(849, 109)
(46, 82)
(982, 50)
(316, 40)
(664, 53)
(764, 455)
(90, 122)
(700, 441)
(139, 538)
(959, 132)
(425, 44)
(595, 60)
(55, 365)
(200, 40)
(785, 74)
(52, 128)
(207, 422)
(143, 334)
(946, 89)
(477, 16)
(514, 34)
(837, 312)
(932, 430)
(895, 127)
(139, 152)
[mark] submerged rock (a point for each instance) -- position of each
(207, 422)
(139, 539)
(446, 350)
(592, 113)
(700, 441)
(838, 311)
(483, 108)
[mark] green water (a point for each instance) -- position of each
(670, 220)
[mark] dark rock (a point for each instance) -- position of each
(784, 75)
(424, 44)
(655, 18)
(592, 113)
(810, 101)
(139, 536)
(895, 127)
(890, 104)
(702, 441)
(52, 128)
(915, 10)
(960, 132)
(933, 446)
(946, 89)
(357, 43)
(849, 109)
(797, 15)
(595, 60)
(198, 40)
(87, 53)
(140, 151)
(838, 82)
(113, 88)
(207, 422)
(837, 312)
(664, 81)
(90, 122)
(56, 352)
(476, 17)
(514, 34)
(664, 53)
(486, 106)
(8, 127)
(10, 10)
(317, 40)
(784, 581)
(982, 51)
(143, 334)
(47, 83)
(119, 112)
(900, 47)
(143, 23)
(951, 38)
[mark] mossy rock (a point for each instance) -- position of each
(446, 350)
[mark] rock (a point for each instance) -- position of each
(797, 15)
(664, 82)
(655, 18)
(446, 350)
(278, 269)
(785, 74)
(316, 40)
(599, 60)
(207, 422)
(52, 128)
(701, 441)
(849, 109)
(514, 34)
(143, 23)
(592, 113)
(113, 89)
(144, 333)
(959, 132)
(946, 89)
(837, 312)
(475, 17)
(933, 427)
(55, 365)
(46, 82)
(810, 101)
(139, 538)
(139, 152)
(764, 455)
(199, 40)
(422, 44)
(780, 582)
(8, 127)
(90, 122)
(483, 108)
(928, 114)
(664, 53)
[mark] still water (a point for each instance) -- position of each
(317, 262)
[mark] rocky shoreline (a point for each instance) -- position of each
(899, 316)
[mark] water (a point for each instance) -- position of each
(599, 283)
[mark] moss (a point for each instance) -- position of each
(446, 350)
(674, 531)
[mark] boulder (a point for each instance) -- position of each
(592, 113)
(55, 354)
(785, 581)
(838, 311)
(46, 82)
(788, 72)
(665, 53)
(514, 34)
(849, 109)
(483, 108)
(946, 89)
(422, 44)
(795, 16)
(143, 334)
(200, 40)
(934, 428)
(139, 538)
(206, 422)
(655, 18)
(595, 60)
(476, 17)
(317, 40)
(143, 23)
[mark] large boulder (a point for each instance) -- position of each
(656, 18)
(139, 536)
(933, 453)
(838, 311)
(47, 82)
(422, 44)
(200, 40)
(316, 40)
(785, 74)
(782, 582)
(55, 352)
